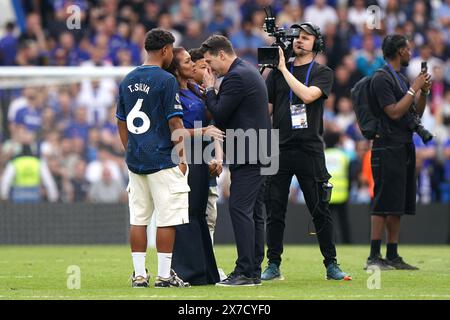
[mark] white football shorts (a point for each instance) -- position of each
(164, 193)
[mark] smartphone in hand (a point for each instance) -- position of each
(424, 67)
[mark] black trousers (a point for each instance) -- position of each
(340, 213)
(193, 256)
(245, 205)
(311, 172)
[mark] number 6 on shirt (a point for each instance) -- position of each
(137, 113)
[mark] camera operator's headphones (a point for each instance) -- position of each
(310, 28)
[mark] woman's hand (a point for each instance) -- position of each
(214, 132)
(215, 168)
(183, 167)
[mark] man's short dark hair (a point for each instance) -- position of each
(215, 43)
(196, 54)
(156, 39)
(392, 44)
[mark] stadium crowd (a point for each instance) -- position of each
(72, 130)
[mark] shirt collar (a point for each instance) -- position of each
(235, 63)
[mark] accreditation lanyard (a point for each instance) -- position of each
(403, 85)
(306, 81)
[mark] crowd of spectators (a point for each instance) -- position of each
(72, 127)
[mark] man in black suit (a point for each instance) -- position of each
(240, 105)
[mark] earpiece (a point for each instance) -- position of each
(319, 45)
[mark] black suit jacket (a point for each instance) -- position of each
(242, 103)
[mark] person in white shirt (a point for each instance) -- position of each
(95, 168)
(321, 14)
(425, 55)
(108, 189)
(357, 15)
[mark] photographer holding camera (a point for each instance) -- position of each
(296, 95)
(393, 152)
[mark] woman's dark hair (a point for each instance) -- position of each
(156, 39)
(196, 54)
(175, 66)
(392, 44)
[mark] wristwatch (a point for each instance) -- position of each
(209, 89)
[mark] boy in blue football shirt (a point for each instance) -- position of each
(148, 111)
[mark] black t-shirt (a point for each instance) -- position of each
(310, 138)
(386, 91)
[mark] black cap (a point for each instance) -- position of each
(305, 27)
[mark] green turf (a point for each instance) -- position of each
(39, 272)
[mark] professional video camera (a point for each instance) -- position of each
(414, 123)
(268, 56)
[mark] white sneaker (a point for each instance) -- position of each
(222, 274)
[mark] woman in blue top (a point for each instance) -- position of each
(193, 256)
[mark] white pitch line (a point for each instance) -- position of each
(111, 297)
(197, 297)
(60, 260)
(105, 297)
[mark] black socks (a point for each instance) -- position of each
(391, 252)
(375, 248)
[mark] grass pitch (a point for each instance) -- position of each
(41, 272)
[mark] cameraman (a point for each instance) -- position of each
(296, 95)
(393, 152)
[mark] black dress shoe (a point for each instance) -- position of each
(257, 281)
(236, 280)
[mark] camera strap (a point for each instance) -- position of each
(400, 82)
(306, 81)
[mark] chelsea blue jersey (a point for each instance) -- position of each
(193, 108)
(148, 98)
